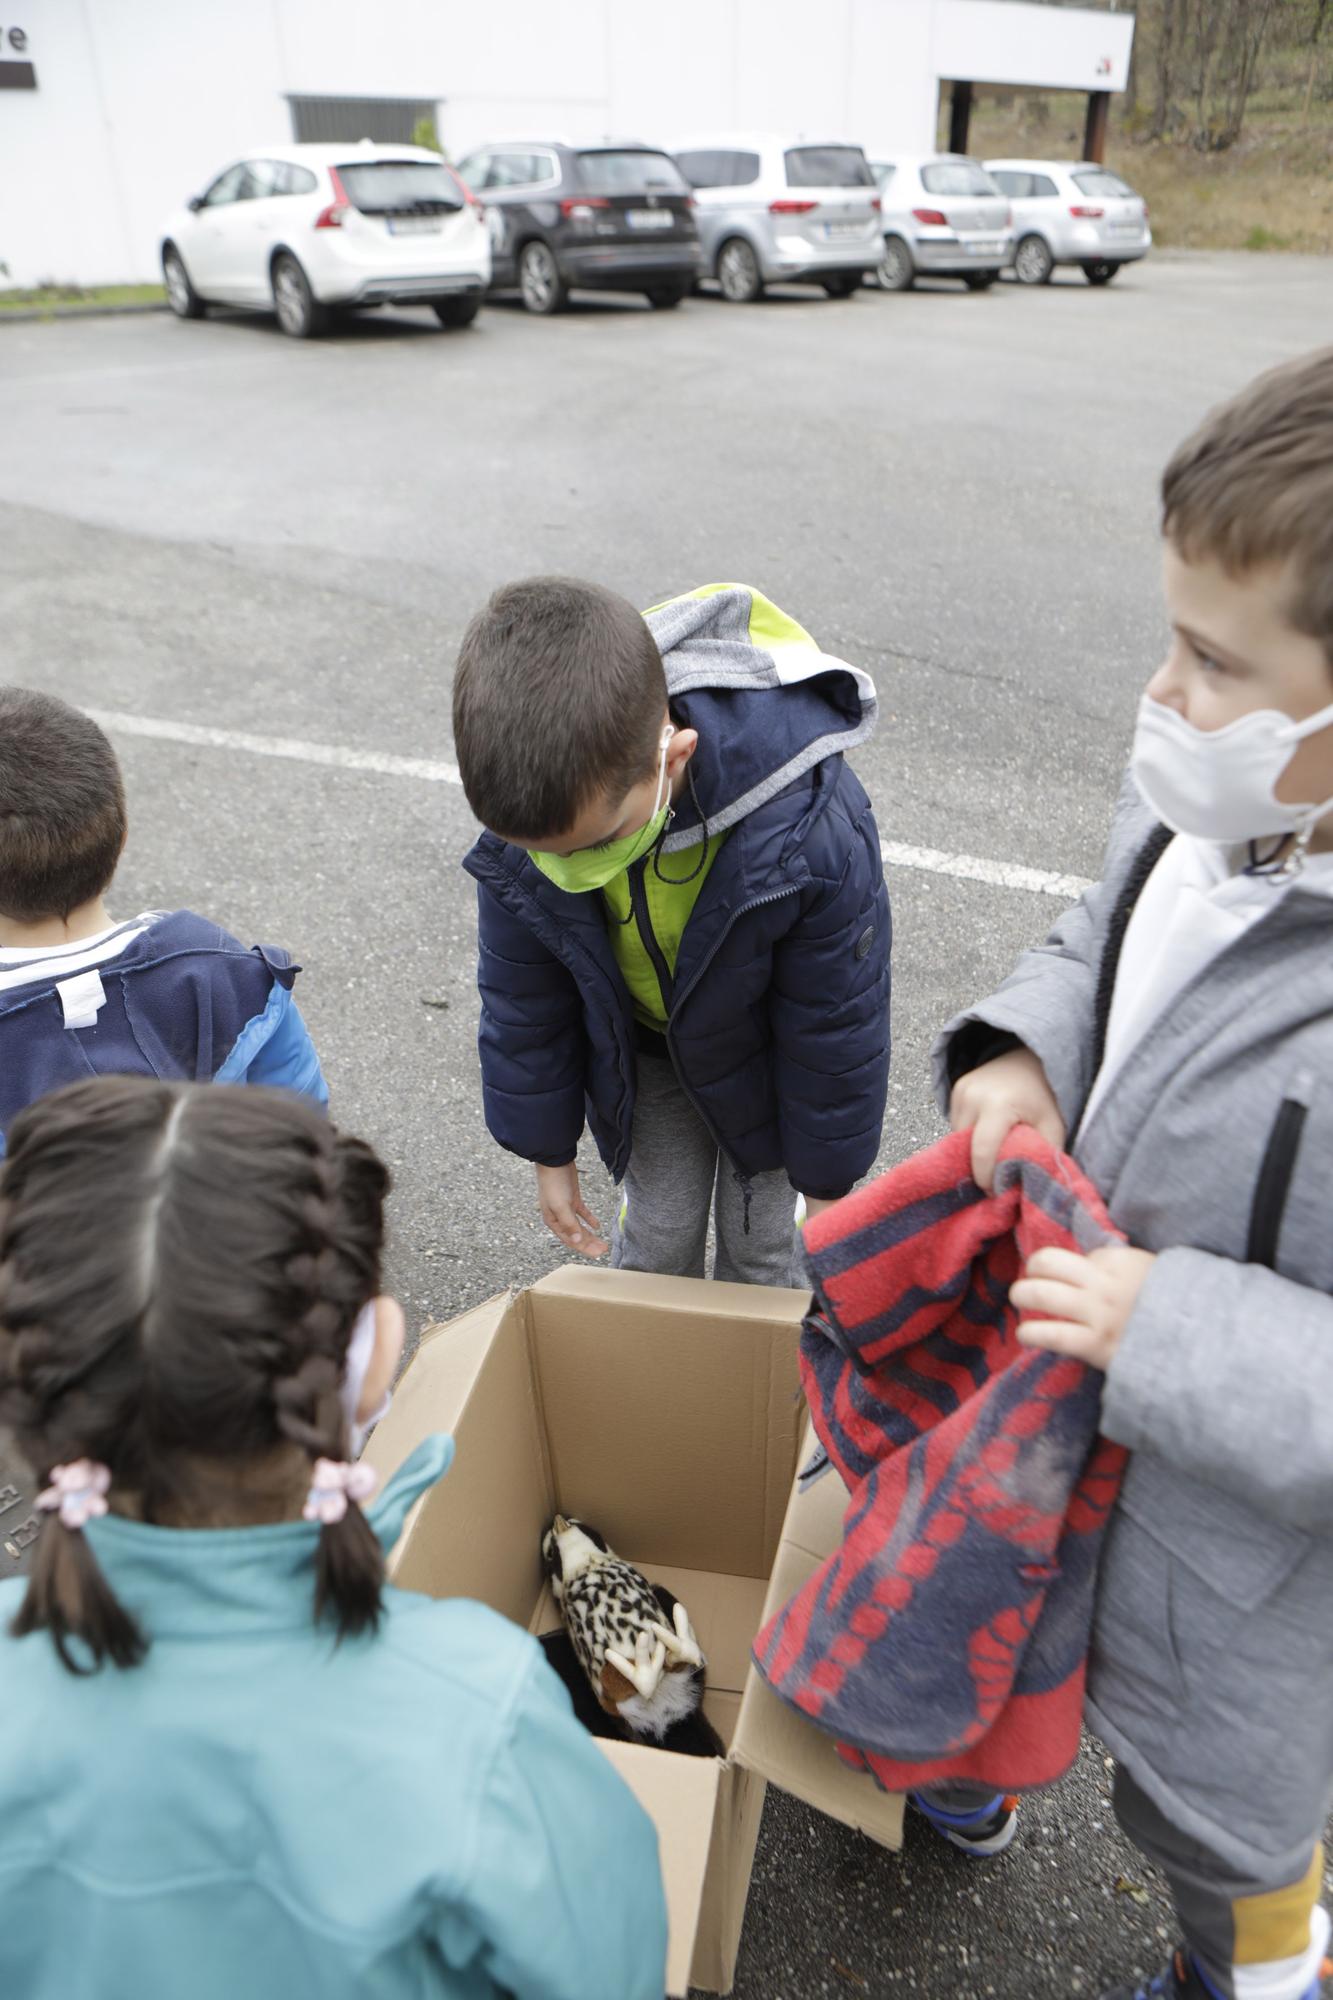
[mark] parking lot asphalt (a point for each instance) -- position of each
(206, 524)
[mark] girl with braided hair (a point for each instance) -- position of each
(236, 1760)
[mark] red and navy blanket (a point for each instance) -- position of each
(947, 1637)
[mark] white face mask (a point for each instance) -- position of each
(360, 1354)
(1218, 784)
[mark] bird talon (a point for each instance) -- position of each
(644, 1671)
(682, 1643)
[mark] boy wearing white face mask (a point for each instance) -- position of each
(1177, 1030)
(682, 917)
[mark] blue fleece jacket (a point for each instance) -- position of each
(778, 1011)
(257, 1811)
(168, 995)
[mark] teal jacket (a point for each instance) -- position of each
(257, 1811)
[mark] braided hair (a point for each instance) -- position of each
(181, 1266)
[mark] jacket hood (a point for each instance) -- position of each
(767, 703)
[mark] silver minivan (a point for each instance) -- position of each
(782, 211)
(943, 217)
(1071, 212)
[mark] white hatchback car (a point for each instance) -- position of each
(306, 230)
(1071, 212)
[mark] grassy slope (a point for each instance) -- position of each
(1271, 191)
(51, 296)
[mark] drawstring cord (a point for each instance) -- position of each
(679, 881)
(1285, 859)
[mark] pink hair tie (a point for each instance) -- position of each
(77, 1492)
(333, 1485)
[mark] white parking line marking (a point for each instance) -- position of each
(972, 868)
(293, 747)
(896, 853)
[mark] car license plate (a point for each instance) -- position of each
(838, 232)
(414, 225)
(990, 247)
(649, 218)
(1125, 228)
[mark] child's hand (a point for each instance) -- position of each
(993, 1098)
(1085, 1301)
(561, 1202)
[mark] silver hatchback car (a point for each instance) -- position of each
(781, 211)
(942, 217)
(1071, 212)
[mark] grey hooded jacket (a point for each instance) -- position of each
(1211, 1675)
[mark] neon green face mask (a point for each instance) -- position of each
(593, 867)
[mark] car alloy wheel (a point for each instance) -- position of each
(539, 279)
(1033, 262)
(182, 297)
(738, 272)
(178, 285)
(895, 270)
(293, 300)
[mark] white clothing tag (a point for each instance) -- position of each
(82, 998)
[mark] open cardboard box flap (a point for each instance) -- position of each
(667, 1412)
(771, 1738)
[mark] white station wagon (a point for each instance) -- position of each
(306, 230)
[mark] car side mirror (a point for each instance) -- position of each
(195, 203)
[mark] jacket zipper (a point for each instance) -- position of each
(756, 903)
(638, 896)
(1274, 1183)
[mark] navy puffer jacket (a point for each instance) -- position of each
(779, 1009)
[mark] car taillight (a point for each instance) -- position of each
(1086, 214)
(332, 216)
(1008, 218)
(581, 210)
(1145, 211)
(791, 207)
(473, 201)
(935, 216)
(876, 203)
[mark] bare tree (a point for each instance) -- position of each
(1166, 67)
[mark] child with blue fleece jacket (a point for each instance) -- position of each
(683, 923)
(166, 994)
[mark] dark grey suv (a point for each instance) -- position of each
(615, 217)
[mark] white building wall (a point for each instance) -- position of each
(139, 102)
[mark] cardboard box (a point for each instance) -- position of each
(667, 1412)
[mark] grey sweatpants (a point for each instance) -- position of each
(676, 1178)
(1254, 1939)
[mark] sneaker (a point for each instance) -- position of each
(982, 1831)
(1184, 1979)
(1180, 1979)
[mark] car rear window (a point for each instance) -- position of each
(719, 169)
(956, 177)
(1098, 180)
(399, 187)
(828, 167)
(630, 172)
